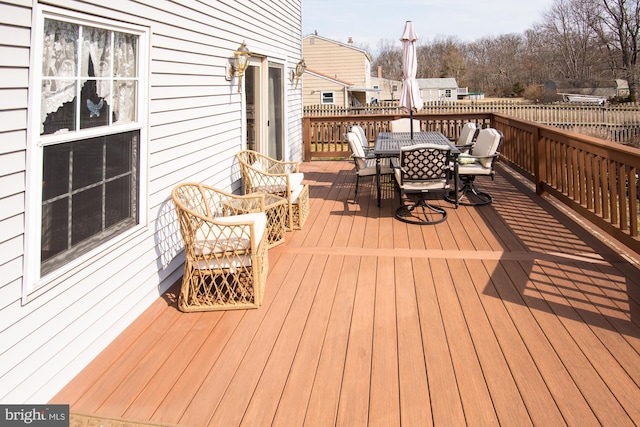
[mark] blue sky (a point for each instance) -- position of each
(369, 21)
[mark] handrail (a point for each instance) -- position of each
(323, 136)
(596, 178)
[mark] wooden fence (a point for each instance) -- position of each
(596, 178)
(613, 122)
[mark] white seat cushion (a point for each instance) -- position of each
(277, 184)
(357, 129)
(355, 144)
(219, 239)
(467, 133)
(486, 146)
(436, 184)
(295, 194)
(370, 169)
(475, 168)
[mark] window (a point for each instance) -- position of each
(89, 146)
(447, 93)
(327, 98)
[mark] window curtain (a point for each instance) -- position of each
(74, 54)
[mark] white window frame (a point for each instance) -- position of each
(34, 283)
(333, 97)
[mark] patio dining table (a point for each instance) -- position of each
(388, 144)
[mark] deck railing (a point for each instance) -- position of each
(596, 178)
(613, 122)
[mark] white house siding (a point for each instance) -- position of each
(194, 130)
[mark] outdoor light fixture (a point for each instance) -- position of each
(300, 66)
(238, 65)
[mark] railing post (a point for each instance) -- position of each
(306, 138)
(540, 162)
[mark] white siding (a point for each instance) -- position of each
(195, 129)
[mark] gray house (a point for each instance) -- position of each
(438, 89)
(592, 91)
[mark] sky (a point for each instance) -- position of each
(370, 21)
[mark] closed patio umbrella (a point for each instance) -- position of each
(410, 98)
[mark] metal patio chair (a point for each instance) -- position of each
(422, 170)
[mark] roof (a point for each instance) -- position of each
(326, 77)
(561, 84)
(441, 83)
(347, 45)
(599, 88)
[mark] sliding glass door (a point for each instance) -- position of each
(264, 91)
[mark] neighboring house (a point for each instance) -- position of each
(593, 91)
(438, 89)
(341, 62)
(389, 90)
(104, 108)
(320, 89)
(476, 96)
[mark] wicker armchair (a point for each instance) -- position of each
(225, 240)
(262, 174)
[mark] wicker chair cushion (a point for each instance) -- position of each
(257, 165)
(218, 239)
(277, 184)
(296, 193)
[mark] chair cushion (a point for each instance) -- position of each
(486, 146)
(276, 184)
(295, 194)
(257, 165)
(355, 144)
(436, 184)
(465, 159)
(404, 125)
(475, 168)
(467, 133)
(357, 129)
(213, 238)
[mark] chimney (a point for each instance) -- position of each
(379, 71)
(350, 40)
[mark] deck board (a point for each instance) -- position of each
(506, 314)
(385, 406)
(411, 367)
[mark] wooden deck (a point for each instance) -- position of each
(508, 314)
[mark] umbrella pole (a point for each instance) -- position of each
(411, 123)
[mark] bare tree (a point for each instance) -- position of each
(433, 57)
(390, 59)
(537, 59)
(619, 29)
(494, 64)
(453, 65)
(578, 39)
(569, 27)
